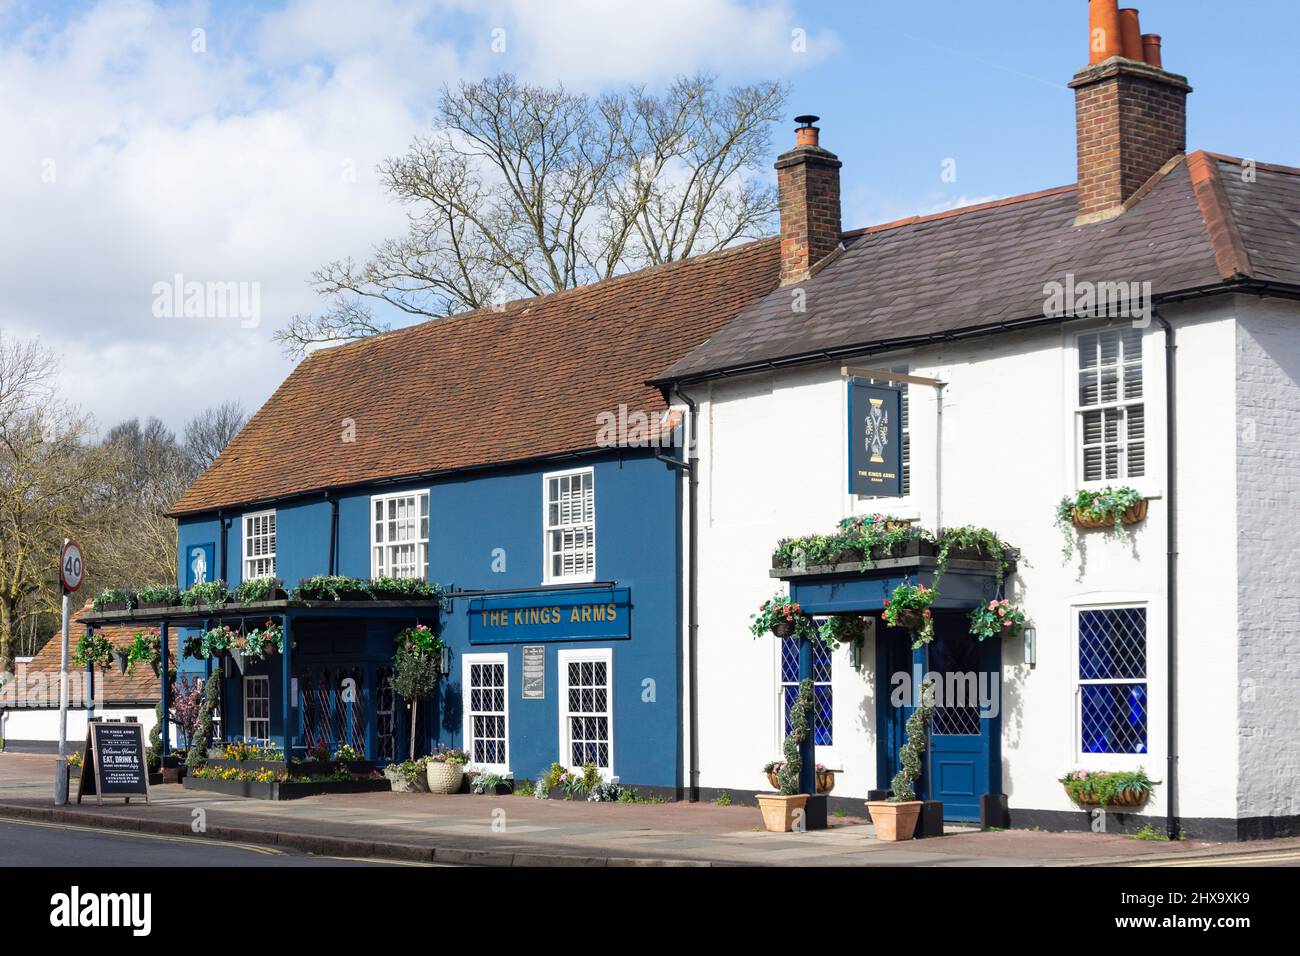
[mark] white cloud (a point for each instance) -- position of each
(130, 158)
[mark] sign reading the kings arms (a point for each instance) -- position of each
(584, 614)
(875, 440)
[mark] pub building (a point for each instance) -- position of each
(976, 367)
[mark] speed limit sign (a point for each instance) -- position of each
(72, 566)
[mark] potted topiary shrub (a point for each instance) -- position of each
(445, 769)
(895, 818)
(780, 809)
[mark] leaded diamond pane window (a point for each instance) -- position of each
(822, 693)
(486, 691)
(1113, 705)
(586, 716)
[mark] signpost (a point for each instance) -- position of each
(72, 571)
(112, 763)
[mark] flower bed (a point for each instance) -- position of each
(276, 784)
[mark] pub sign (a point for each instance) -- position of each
(875, 440)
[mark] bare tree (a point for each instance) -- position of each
(210, 431)
(523, 190)
(49, 477)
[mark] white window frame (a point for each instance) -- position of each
(421, 543)
(246, 558)
(1099, 761)
(564, 658)
(1078, 411)
(265, 681)
(467, 661)
(782, 684)
(547, 576)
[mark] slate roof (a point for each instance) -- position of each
(138, 685)
(482, 388)
(1195, 225)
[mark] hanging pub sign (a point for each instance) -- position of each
(875, 440)
(112, 762)
(578, 614)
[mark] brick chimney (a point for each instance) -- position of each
(1131, 113)
(808, 187)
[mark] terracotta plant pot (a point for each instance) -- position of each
(894, 821)
(445, 777)
(779, 810)
(783, 629)
(1133, 515)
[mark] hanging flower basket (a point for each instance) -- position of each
(782, 618)
(825, 778)
(1108, 788)
(120, 657)
(909, 607)
(997, 619)
(1133, 514)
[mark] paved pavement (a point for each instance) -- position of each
(511, 830)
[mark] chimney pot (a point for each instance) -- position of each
(1151, 50)
(1130, 29)
(1104, 34)
(806, 134)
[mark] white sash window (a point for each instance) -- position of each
(400, 535)
(259, 545)
(569, 526)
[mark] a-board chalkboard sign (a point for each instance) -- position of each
(112, 762)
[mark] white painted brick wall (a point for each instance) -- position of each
(1268, 507)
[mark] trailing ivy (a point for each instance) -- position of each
(198, 755)
(973, 538)
(788, 776)
(909, 756)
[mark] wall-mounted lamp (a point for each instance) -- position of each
(855, 653)
(1031, 646)
(444, 660)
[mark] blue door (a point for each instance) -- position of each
(962, 762)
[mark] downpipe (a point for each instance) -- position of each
(1171, 579)
(687, 464)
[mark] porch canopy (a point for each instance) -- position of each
(863, 587)
(286, 611)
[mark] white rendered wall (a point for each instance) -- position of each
(22, 723)
(774, 465)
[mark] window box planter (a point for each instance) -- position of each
(1134, 514)
(894, 821)
(288, 790)
(1126, 798)
(914, 548)
(779, 810)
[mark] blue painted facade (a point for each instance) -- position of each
(486, 533)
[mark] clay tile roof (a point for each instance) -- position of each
(138, 685)
(1196, 224)
(486, 387)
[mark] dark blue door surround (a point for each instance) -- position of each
(963, 760)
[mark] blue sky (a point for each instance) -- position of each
(131, 157)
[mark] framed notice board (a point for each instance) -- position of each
(112, 762)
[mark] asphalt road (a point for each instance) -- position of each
(24, 843)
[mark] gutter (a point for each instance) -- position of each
(687, 464)
(1171, 579)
